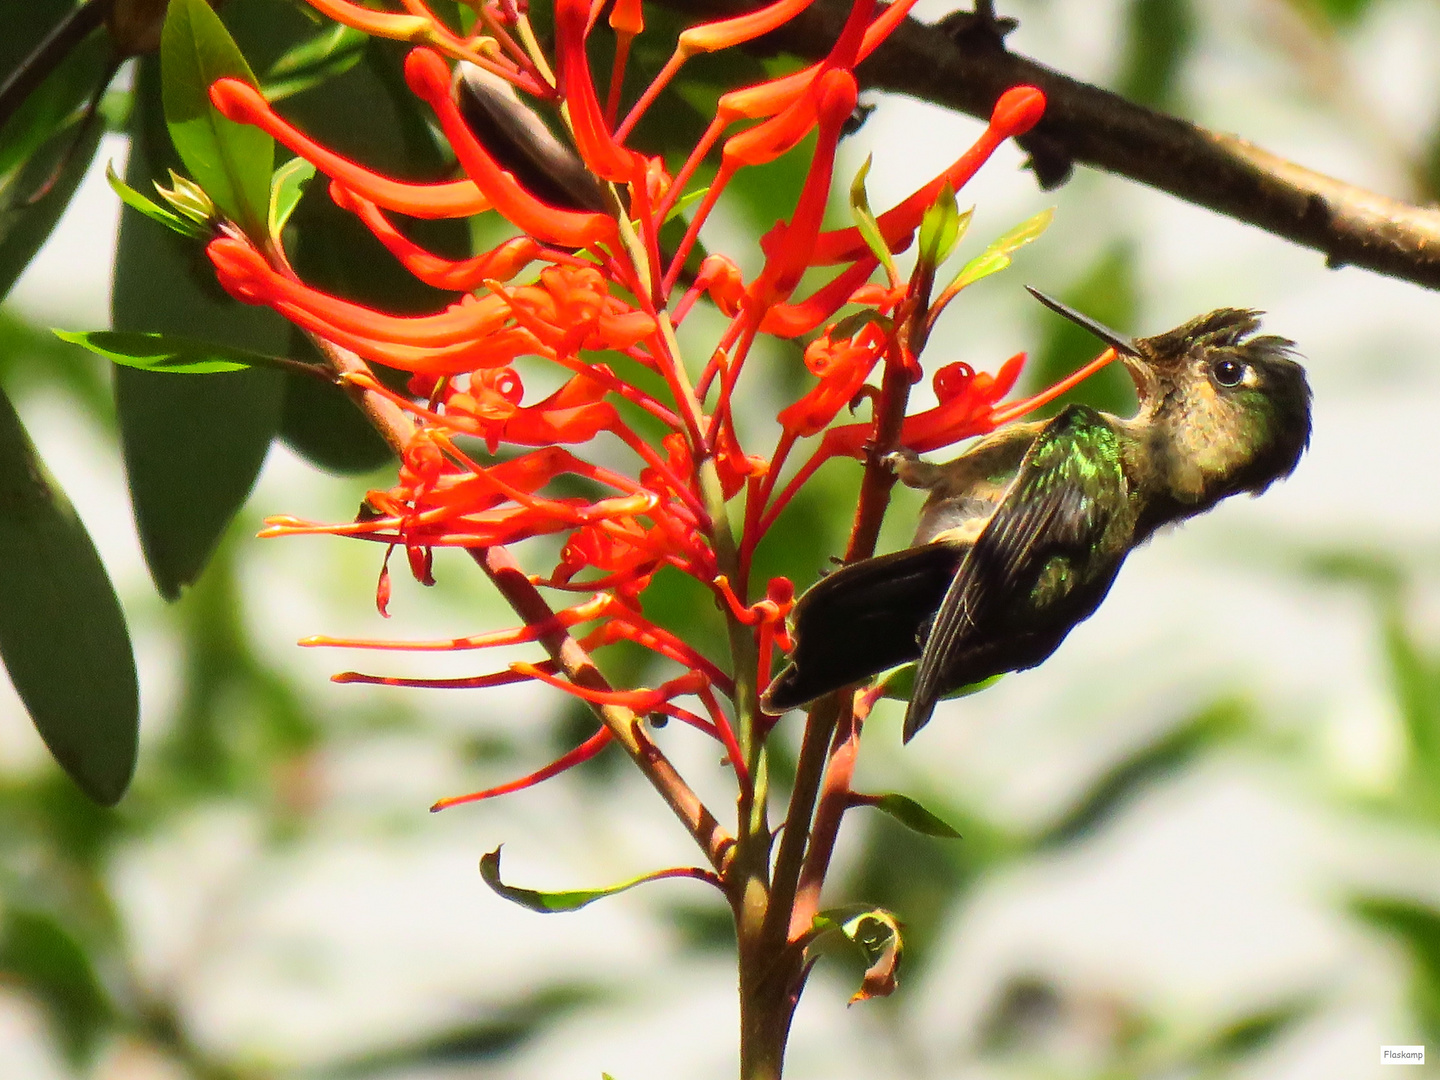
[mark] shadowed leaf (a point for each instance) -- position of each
(62, 634)
(46, 961)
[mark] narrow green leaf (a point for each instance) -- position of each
(331, 52)
(62, 633)
(549, 902)
(997, 256)
(913, 816)
(232, 162)
(168, 353)
(286, 187)
(865, 219)
(153, 210)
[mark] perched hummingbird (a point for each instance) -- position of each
(1023, 534)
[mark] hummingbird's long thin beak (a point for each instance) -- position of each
(1117, 340)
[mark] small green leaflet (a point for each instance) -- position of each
(996, 257)
(331, 52)
(572, 900)
(942, 227)
(911, 814)
(169, 353)
(153, 210)
(286, 187)
(865, 220)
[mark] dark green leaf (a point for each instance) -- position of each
(231, 161)
(62, 633)
(322, 424)
(331, 52)
(168, 353)
(550, 902)
(913, 816)
(34, 197)
(56, 103)
(45, 960)
(153, 210)
(193, 443)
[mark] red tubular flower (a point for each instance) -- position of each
(578, 304)
(241, 102)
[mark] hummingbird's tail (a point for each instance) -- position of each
(861, 620)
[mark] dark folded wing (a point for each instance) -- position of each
(1055, 507)
(861, 620)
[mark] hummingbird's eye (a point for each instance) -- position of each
(1228, 372)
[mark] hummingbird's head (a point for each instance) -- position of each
(1224, 410)
(1234, 405)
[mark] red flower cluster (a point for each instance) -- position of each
(577, 283)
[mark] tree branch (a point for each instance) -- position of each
(961, 63)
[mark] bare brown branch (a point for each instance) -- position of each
(961, 66)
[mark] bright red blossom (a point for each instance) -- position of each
(579, 284)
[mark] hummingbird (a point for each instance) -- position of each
(1022, 535)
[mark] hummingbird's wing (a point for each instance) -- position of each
(861, 620)
(1056, 507)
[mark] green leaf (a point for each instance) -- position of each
(942, 227)
(193, 444)
(307, 64)
(57, 102)
(46, 960)
(168, 353)
(62, 633)
(912, 815)
(901, 682)
(875, 934)
(231, 161)
(286, 188)
(1249, 1034)
(865, 219)
(153, 210)
(997, 256)
(35, 195)
(550, 902)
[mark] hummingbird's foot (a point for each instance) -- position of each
(910, 470)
